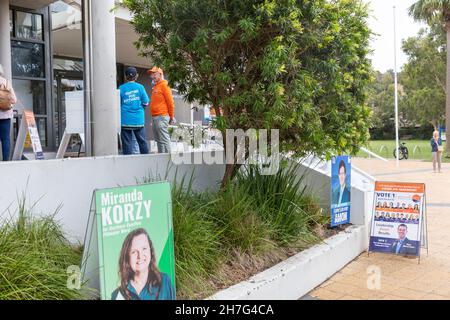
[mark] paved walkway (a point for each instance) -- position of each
(402, 278)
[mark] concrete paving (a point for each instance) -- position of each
(390, 277)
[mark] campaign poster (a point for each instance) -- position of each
(33, 135)
(397, 218)
(135, 243)
(340, 190)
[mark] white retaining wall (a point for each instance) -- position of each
(71, 182)
(298, 275)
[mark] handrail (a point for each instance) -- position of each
(416, 147)
(383, 147)
(374, 154)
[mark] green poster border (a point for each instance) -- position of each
(100, 248)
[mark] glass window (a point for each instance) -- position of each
(29, 25)
(27, 59)
(56, 112)
(67, 65)
(30, 95)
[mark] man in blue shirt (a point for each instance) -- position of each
(133, 100)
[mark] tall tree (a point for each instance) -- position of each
(381, 99)
(423, 77)
(297, 66)
(438, 11)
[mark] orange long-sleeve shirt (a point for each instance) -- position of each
(162, 101)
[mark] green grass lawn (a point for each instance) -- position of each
(418, 149)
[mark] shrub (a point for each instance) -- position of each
(236, 213)
(253, 215)
(283, 202)
(197, 240)
(34, 257)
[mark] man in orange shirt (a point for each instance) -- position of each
(162, 110)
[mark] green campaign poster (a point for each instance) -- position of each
(135, 242)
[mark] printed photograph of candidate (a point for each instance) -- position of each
(140, 277)
(403, 245)
(341, 192)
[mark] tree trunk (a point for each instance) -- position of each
(229, 167)
(447, 95)
(229, 173)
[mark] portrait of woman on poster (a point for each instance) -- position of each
(140, 278)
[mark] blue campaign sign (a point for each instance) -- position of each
(341, 169)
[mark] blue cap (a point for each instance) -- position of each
(131, 72)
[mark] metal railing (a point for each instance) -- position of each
(373, 154)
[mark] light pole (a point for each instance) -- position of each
(396, 95)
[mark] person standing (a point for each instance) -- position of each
(436, 150)
(133, 100)
(162, 109)
(7, 100)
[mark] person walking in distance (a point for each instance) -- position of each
(436, 150)
(162, 109)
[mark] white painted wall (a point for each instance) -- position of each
(298, 275)
(71, 182)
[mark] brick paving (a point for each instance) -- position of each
(402, 278)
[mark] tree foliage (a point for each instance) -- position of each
(381, 98)
(421, 83)
(437, 12)
(424, 77)
(297, 66)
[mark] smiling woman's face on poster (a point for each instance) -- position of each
(135, 242)
(140, 255)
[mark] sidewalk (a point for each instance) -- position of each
(402, 278)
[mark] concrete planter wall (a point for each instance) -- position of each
(71, 182)
(298, 275)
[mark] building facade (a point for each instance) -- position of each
(50, 47)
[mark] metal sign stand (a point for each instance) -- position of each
(65, 143)
(423, 229)
(90, 265)
(25, 128)
(371, 220)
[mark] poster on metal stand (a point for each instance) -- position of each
(129, 245)
(398, 224)
(28, 128)
(341, 168)
(424, 235)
